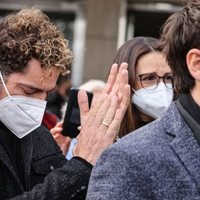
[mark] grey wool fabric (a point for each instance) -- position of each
(160, 161)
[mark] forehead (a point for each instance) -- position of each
(152, 62)
(36, 76)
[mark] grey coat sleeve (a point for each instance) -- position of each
(117, 177)
(69, 182)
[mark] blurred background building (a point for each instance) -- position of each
(96, 28)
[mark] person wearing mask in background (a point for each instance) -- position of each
(162, 159)
(33, 52)
(151, 80)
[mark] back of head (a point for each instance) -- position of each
(29, 34)
(181, 33)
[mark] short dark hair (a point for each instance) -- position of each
(180, 33)
(30, 34)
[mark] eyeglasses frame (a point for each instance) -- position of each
(158, 81)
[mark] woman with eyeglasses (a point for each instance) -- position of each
(150, 78)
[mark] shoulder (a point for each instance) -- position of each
(126, 165)
(42, 135)
(145, 139)
(43, 143)
(149, 143)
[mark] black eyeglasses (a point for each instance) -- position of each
(151, 80)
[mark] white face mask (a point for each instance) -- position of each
(21, 114)
(153, 102)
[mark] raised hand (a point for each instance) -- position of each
(100, 125)
(62, 141)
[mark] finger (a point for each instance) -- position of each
(83, 105)
(113, 130)
(59, 124)
(123, 82)
(102, 109)
(56, 136)
(95, 107)
(111, 81)
(107, 119)
(111, 78)
(74, 150)
(65, 146)
(79, 128)
(68, 139)
(119, 78)
(126, 99)
(67, 142)
(56, 130)
(114, 127)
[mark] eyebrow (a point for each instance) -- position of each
(153, 73)
(34, 88)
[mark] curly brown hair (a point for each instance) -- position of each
(29, 34)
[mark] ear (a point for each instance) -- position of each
(193, 63)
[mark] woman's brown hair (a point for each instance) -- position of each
(131, 52)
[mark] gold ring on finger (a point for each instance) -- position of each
(104, 123)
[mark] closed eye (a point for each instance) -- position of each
(29, 92)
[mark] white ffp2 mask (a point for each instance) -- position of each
(153, 102)
(21, 114)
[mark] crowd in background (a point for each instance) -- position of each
(139, 138)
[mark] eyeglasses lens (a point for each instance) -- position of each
(151, 80)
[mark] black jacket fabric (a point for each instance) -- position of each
(46, 173)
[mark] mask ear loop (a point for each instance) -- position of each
(135, 91)
(4, 85)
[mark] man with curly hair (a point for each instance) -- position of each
(162, 160)
(33, 52)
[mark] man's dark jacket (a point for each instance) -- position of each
(46, 173)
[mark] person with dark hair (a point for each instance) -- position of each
(162, 159)
(151, 80)
(33, 53)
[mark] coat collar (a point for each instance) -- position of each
(184, 144)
